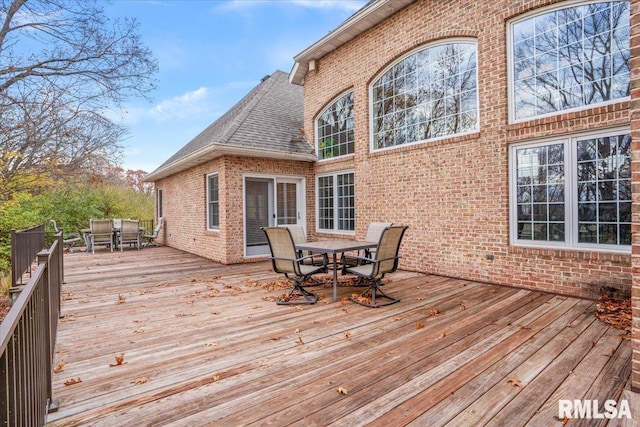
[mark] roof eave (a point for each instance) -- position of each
(213, 151)
(367, 17)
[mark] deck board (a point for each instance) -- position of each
(205, 344)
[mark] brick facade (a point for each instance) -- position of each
(454, 192)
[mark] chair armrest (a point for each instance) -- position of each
(360, 259)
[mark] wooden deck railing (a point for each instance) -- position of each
(27, 339)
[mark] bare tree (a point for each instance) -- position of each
(63, 63)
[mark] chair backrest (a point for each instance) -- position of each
(130, 228)
(157, 228)
(283, 250)
(101, 229)
(375, 231)
(297, 232)
(388, 248)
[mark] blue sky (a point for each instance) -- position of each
(210, 54)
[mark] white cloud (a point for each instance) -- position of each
(185, 105)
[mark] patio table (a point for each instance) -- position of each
(334, 247)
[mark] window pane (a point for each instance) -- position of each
(571, 58)
(335, 127)
(431, 93)
(336, 202)
(604, 209)
(213, 202)
(325, 203)
(541, 195)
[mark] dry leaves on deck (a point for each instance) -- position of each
(59, 367)
(614, 313)
(516, 382)
(119, 360)
(72, 381)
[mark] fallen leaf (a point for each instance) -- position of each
(516, 382)
(420, 325)
(524, 327)
(212, 344)
(297, 330)
(347, 335)
(342, 390)
(72, 381)
(121, 299)
(119, 360)
(140, 380)
(433, 312)
(300, 342)
(442, 335)
(59, 367)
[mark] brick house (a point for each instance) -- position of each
(499, 131)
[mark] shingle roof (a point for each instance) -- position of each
(267, 122)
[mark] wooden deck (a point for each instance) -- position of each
(201, 343)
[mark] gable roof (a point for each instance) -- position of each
(368, 16)
(267, 122)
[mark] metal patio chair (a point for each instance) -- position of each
(373, 269)
(101, 233)
(374, 231)
(129, 233)
(285, 260)
(299, 236)
(150, 239)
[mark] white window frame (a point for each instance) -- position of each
(571, 240)
(455, 40)
(510, 62)
(317, 127)
(336, 219)
(212, 227)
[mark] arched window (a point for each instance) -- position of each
(334, 129)
(569, 58)
(431, 93)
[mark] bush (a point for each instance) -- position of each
(71, 207)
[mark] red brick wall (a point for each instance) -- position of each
(454, 193)
(184, 205)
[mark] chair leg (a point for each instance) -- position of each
(369, 296)
(293, 297)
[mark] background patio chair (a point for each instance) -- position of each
(285, 260)
(71, 238)
(129, 233)
(150, 239)
(299, 236)
(101, 233)
(374, 231)
(373, 269)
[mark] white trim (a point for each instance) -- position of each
(452, 40)
(510, 76)
(333, 174)
(571, 197)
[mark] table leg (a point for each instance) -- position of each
(335, 278)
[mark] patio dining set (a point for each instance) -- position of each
(369, 259)
(117, 233)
